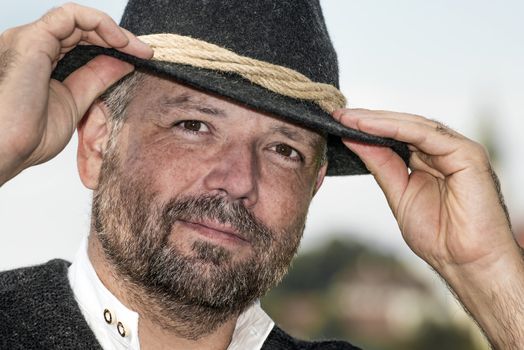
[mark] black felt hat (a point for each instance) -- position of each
(289, 33)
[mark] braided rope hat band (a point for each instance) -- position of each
(281, 80)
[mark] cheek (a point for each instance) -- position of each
(284, 200)
(172, 167)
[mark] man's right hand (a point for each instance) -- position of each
(38, 115)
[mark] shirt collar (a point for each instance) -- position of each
(116, 327)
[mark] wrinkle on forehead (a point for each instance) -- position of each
(187, 101)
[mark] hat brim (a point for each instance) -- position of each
(341, 161)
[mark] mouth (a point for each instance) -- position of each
(216, 231)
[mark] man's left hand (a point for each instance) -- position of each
(449, 209)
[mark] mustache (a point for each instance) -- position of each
(217, 208)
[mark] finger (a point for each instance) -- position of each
(442, 150)
(136, 47)
(63, 22)
(89, 81)
(422, 162)
(387, 167)
(424, 137)
(108, 33)
(418, 160)
(80, 37)
(381, 114)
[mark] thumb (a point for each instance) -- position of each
(91, 80)
(388, 169)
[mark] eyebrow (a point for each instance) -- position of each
(294, 135)
(188, 102)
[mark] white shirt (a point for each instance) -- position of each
(116, 327)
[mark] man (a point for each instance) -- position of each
(201, 190)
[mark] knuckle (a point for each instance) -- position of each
(59, 22)
(443, 129)
(11, 36)
(69, 8)
(5, 39)
(480, 149)
(419, 117)
(70, 5)
(343, 111)
(478, 153)
(16, 39)
(53, 15)
(8, 33)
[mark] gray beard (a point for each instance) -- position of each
(189, 294)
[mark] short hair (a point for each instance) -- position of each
(117, 99)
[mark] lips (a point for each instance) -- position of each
(216, 230)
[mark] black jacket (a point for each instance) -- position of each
(38, 311)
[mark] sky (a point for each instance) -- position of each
(457, 62)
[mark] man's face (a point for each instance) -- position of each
(203, 200)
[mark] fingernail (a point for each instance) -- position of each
(141, 49)
(143, 43)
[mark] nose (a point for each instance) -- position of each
(235, 173)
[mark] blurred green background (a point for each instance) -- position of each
(347, 290)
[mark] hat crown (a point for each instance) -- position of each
(290, 33)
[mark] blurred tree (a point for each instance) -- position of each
(433, 336)
(347, 290)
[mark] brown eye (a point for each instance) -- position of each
(193, 125)
(284, 150)
(287, 151)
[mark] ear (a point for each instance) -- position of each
(320, 177)
(93, 134)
